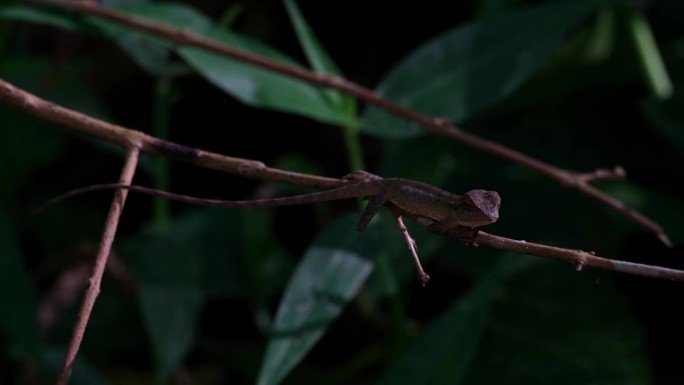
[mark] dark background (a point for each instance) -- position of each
(548, 323)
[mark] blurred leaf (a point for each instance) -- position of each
(264, 258)
(320, 61)
(171, 314)
(197, 249)
(21, 153)
(469, 68)
(260, 87)
(664, 208)
(150, 52)
(649, 55)
(487, 8)
(42, 16)
(253, 86)
(170, 295)
(444, 352)
(556, 326)
(667, 118)
(82, 373)
(17, 306)
(176, 267)
(601, 40)
(329, 276)
(116, 327)
(200, 253)
(178, 16)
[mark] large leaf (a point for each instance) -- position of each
(82, 373)
(260, 87)
(329, 276)
(253, 86)
(557, 326)
(667, 118)
(666, 209)
(171, 314)
(42, 16)
(444, 352)
(153, 53)
(203, 252)
(170, 296)
(469, 68)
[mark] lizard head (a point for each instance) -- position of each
(479, 208)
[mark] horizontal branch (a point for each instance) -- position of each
(580, 259)
(129, 138)
(438, 126)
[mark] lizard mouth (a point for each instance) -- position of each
(486, 219)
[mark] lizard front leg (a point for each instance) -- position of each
(374, 204)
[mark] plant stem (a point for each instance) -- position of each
(649, 56)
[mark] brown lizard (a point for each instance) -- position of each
(440, 211)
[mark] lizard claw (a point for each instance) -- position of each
(424, 278)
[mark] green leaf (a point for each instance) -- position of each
(319, 59)
(445, 350)
(150, 52)
(82, 373)
(260, 87)
(170, 297)
(665, 208)
(553, 325)
(330, 274)
(170, 314)
(469, 68)
(667, 117)
(17, 307)
(253, 86)
(649, 55)
(42, 16)
(200, 253)
(174, 15)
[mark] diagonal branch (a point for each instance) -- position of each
(105, 247)
(436, 126)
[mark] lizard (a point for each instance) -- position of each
(439, 210)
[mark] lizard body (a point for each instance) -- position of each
(440, 211)
(424, 203)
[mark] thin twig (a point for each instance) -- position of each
(434, 125)
(423, 277)
(580, 259)
(105, 247)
